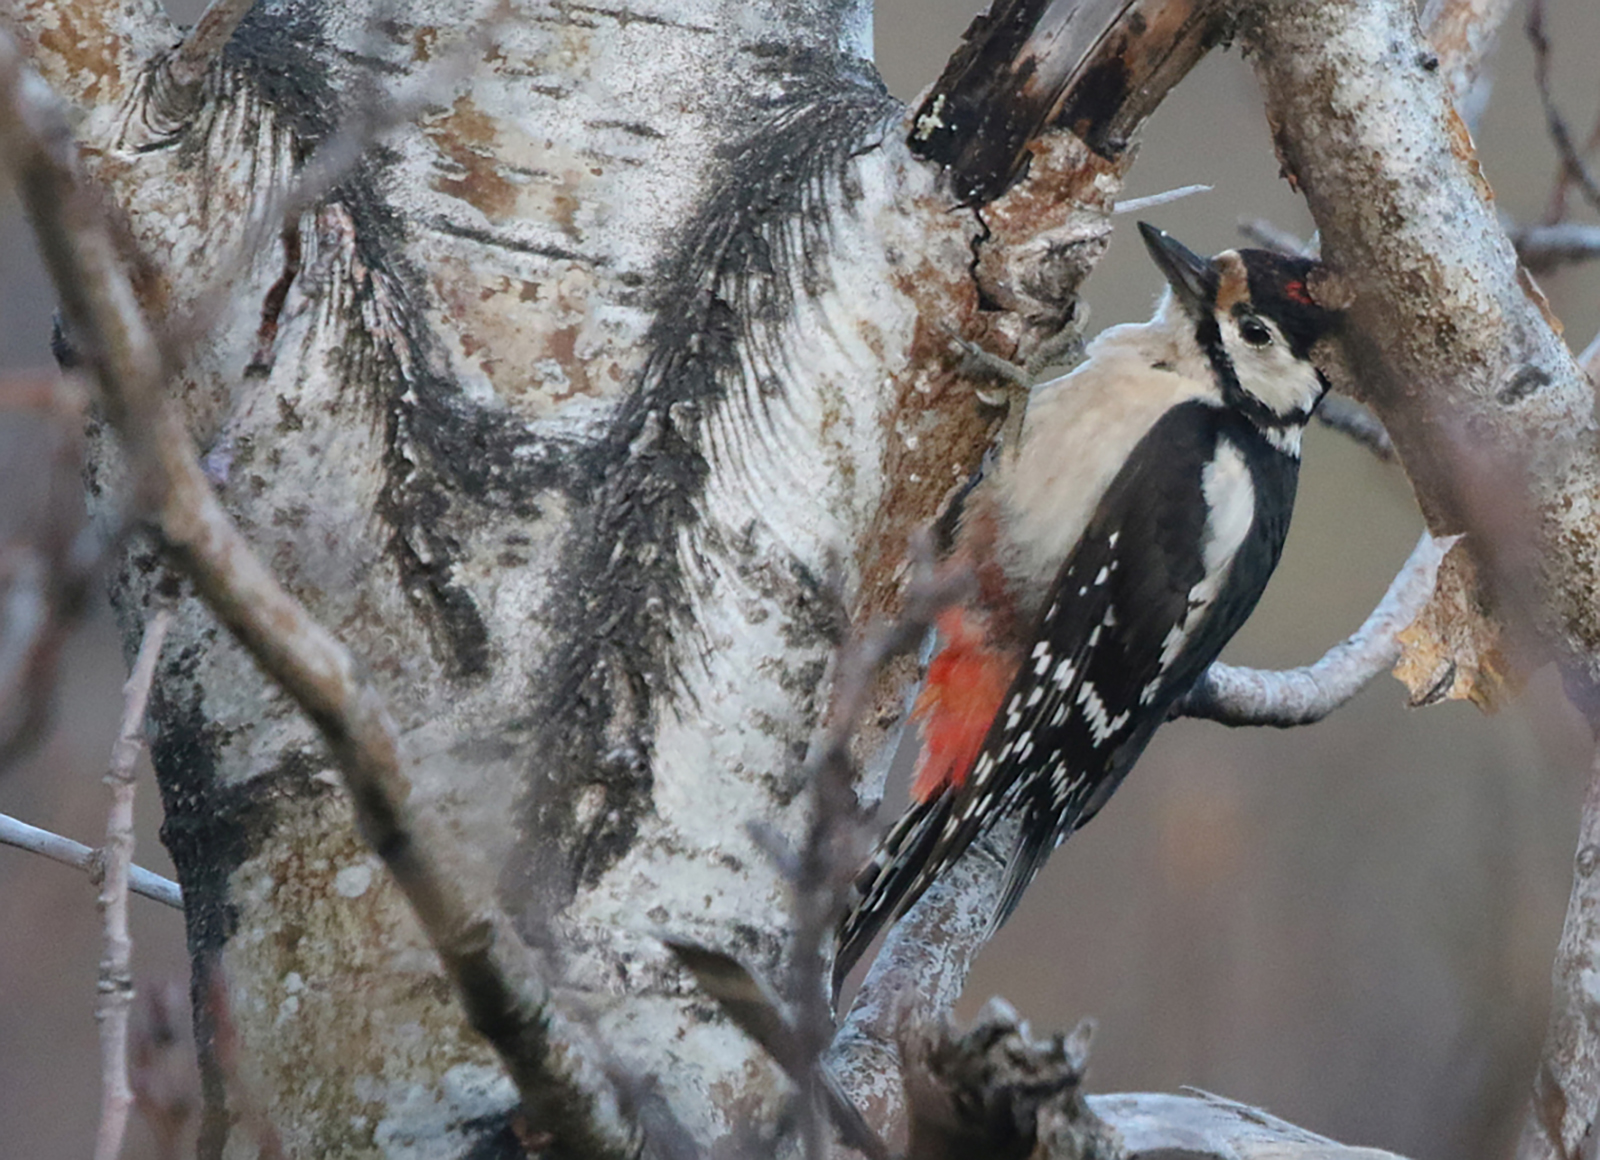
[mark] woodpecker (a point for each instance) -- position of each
(1117, 546)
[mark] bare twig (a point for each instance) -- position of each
(1240, 696)
(115, 992)
(1576, 170)
(85, 858)
(206, 40)
(1566, 1091)
(1348, 417)
(45, 578)
(1150, 201)
(836, 840)
(497, 977)
(1266, 234)
(1544, 247)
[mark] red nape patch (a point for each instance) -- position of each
(1295, 290)
(967, 681)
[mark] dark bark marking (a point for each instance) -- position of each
(447, 458)
(622, 598)
(210, 830)
(272, 304)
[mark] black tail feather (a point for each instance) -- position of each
(887, 886)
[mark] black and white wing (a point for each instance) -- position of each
(1170, 566)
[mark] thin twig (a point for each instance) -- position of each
(166, 1084)
(1240, 696)
(498, 979)
(1272, 237)
(1150, 201)
(206, 40)
(836, 840)
(1544, 247)
(46, 579)
(1576, 170)
(1348, 417)
(241, 1096)
(80, 857)
(1556, 208)
(115, 992)
(1566, 1091)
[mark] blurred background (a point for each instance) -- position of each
(1350, 924)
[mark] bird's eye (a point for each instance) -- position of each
(1254, 332)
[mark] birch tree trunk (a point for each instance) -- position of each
(589, 406)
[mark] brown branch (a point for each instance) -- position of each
(1097, 69)
(498, 978)
(115, 991)
(1565, 1109)
(1575, 169)
(1240, 696)
(837, 838)
(203, 45)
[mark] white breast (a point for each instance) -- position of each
(1080, 429)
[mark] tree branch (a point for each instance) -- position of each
(86, 858)
(1566, 1090)
(497, 977)
(1544, 247)
(1357, 422)
(1576, 170)
(203, 45)
(1201, 1126)
(115, 991)
(1240, 696)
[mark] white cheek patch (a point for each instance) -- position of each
(1271, 373)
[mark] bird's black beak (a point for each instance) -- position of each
(1193, 278)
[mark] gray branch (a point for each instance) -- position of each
(1241, 696)
(1544, 247)
(80, 857)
